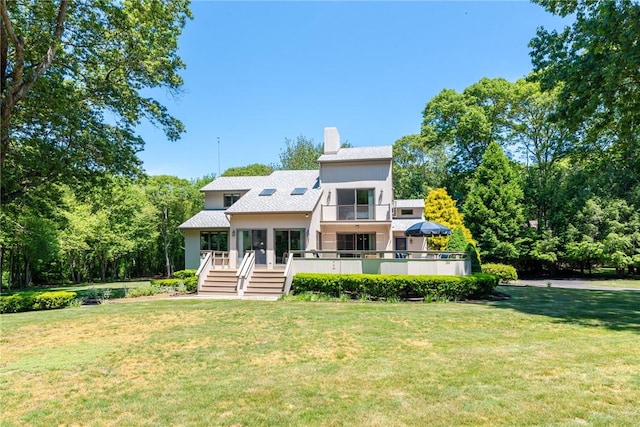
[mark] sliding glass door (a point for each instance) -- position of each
(287, 241)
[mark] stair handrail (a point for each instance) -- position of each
(288, 274)
(203, 263)
(245, 270)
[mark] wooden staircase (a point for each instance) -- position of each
(265, 283)
(220, 283)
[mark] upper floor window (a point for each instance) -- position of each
(230, 199)
(406, 212)
(355, 203)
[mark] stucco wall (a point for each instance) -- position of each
(191, 249)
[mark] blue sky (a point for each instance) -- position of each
(260, 72)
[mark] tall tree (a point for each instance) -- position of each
(541, 143)
(493, 208)
(468, 122)
(594, 62)
(73, 78)
(254, 169)
(301, 154)
(418, 164)
(175, 200)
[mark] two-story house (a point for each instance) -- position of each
(345, 205)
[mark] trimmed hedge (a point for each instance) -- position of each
(507, 273)
(30, 301)
(388, 286)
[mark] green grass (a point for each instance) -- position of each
(85, 290)
(614, 283)
(544, 357)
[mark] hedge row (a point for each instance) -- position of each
(400, 286)
(35, 301)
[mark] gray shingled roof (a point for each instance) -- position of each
(403, 224)
(383, 152)
(282, 200)
(207, 219)
(409, 203)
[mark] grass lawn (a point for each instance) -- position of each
(84, 289)
(546, 356)
(614, 283)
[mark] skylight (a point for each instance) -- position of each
(267, 191)
(299, 191)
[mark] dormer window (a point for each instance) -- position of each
(267, 191)
(230, 199)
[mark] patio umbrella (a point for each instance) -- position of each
(427, 229)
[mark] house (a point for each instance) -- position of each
(345, 207)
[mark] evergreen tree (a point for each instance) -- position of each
(457, 242)
(494, 206)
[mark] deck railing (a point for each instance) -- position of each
(383, 262)
(245, 270)
(355, 212)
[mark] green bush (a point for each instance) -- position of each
(396, 286)
(29, 301)
(184, 274)
(189, 283)
(53, 300)
(144, 291)
(507, 273)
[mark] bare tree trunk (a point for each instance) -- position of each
(165, 241)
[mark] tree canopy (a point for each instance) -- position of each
(595, 63)
(254, 169)
(74, 77)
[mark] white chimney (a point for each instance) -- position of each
(331, 140)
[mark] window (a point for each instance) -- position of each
(287, 241)
(214, 241)
(406, 212)
(299, 191)
(356, 241)
(267, 191)
(230, 199)
(355, 204)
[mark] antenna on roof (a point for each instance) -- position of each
(218, 157)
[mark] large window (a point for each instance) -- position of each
(214, 241)
(287, 241)
(356, 242)
(230, 199)
(354, 204)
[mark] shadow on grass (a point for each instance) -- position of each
(616, 310)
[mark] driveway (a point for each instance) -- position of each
(572, 284)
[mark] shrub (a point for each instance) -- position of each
(507, 273)
(189, 283)
(396, 286)
(144, 291)
(28, 301)
(53, 300)
(183, 274)
(16, 303)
